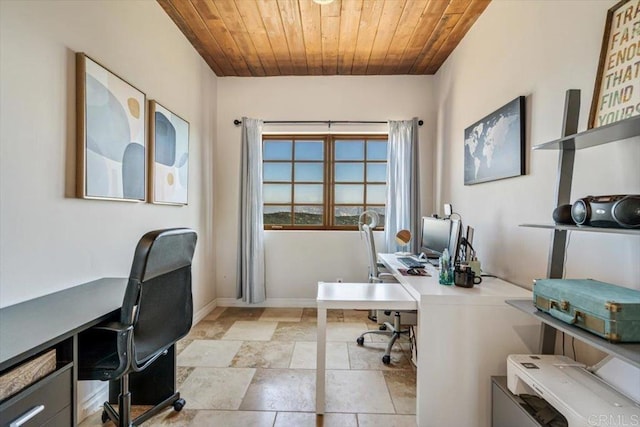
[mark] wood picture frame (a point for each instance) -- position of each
(616, 95)
(494, 147)
(168, 156)
(110, 133)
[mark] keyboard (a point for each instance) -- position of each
(410, 262)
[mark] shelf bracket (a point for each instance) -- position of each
(563, 197)
(565, 176)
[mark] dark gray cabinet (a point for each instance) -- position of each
(45, 402)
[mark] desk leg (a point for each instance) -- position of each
(321, 359)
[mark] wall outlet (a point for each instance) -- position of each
(339, 280)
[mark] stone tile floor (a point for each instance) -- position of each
(256, 367)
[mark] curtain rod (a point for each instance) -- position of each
(316, 122)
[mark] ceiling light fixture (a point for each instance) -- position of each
(321, 2)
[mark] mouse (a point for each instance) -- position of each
(422, 256)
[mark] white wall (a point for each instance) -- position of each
(50, 240)
(537, 49)
(296, 261)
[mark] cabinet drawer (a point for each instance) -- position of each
(61, 419)
(53, 392)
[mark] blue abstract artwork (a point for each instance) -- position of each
(170, 148)
(113, 142)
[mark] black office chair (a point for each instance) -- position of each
(157, 310)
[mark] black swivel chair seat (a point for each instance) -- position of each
(157, 310)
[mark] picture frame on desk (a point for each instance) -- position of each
(614, 97)
(494, 146)
(111, 139)
(168, 156)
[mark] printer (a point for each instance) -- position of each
(582, 397)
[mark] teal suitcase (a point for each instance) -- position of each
(607, 310)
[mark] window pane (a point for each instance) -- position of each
(307, 193)
(349, 194)
(377, 172)
(277, 215)
(277, 171)
(376, 194)
(277, 150)
(308, 215)
(349, 150)
(309, 150)
(376, 150)
(276, 193)
(313, 172)
(349, 172)
(347, 215)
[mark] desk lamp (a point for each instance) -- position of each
(403, 237)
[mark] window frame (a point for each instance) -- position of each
(329, 162)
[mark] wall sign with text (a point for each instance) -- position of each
(616, 95)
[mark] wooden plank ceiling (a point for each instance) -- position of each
(301, 37)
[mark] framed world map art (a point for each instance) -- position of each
(494, 146)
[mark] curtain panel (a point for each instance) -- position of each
(250, 285)
(403, 193)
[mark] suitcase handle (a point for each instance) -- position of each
(566, 318)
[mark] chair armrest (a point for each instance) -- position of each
(113, 327)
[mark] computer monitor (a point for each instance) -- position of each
(438, 234)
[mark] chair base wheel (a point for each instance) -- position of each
(360, 340)
(179, 404)
(386, 359)
(104, 417)
(382, 327)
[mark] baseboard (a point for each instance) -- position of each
(204, 311)
(270, 302)
(93, 402)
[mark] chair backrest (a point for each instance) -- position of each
(158, 301)
(372, 256)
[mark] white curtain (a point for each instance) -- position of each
(403, 195)
(250, 284)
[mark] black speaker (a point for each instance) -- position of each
(607, 211)
(626, 212)
(562, 215)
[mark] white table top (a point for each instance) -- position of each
(365, 296)
(492, 291)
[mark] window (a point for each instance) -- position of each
(323, 182)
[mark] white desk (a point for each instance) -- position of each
(382, 296)
(464, 337)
